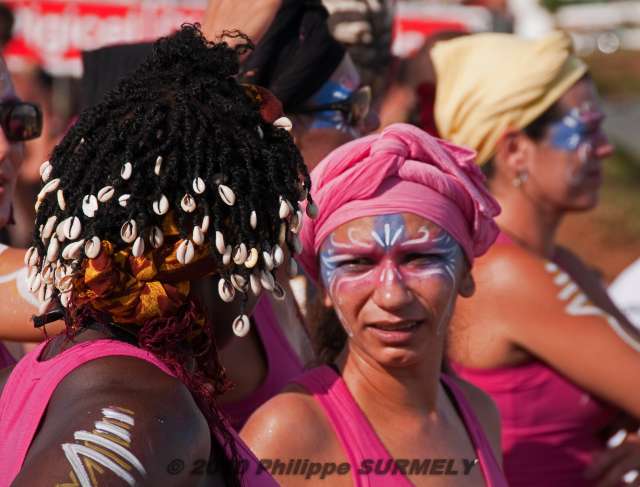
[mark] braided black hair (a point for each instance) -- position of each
(182, 104)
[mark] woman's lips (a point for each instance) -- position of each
(395, 333)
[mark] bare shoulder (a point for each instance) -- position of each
(486, 411)
(269, 430)
(120, 416)
(503, 266)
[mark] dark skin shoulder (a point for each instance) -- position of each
(154, 417)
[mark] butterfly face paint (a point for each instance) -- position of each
(579, 130)
(395, 259)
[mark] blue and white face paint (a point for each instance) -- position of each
(579, 130)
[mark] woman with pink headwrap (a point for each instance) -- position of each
(402, 216)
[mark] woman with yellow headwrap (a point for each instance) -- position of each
(540, 335)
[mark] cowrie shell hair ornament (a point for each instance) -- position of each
(31, 257)
(73, 250)
(254, 283)
(283, 123)
(89, 205)
(156, 237)
(60, 232)
(197, 236)
(45, 171)
(278, 256)
(253, 219)
(161, 205)
(226, 291)
(227, 195)
(188, 204)
(267, 280)
(61, 202)
(126, 171)
(158, 166)
(205, 223)
(105, 194)
(138, 247)
(49, 227)
(282, 234)
(50, 187)
(240, 255)
(123, 200)
(220, 242)
(241, 326)
(238, 282)
(34, 283)
(284, 209)
(295, 225)
(267, 259)
(198, 186)
(92, 247)
(260, 132)
(129, 231)
(252, 260)
(278, 292)
(185, 252)
(226, 257)
(72, 227)
(53, 250)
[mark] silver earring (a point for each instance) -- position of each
(520, 179)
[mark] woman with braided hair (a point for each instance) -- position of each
(178, 186)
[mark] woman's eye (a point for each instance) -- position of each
(355, 264)
(419, 259)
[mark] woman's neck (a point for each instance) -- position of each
(528, 222)
(406, 390)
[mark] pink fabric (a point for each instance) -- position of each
(359, 440)
(29, 388)
(6, 359)
(402, 169)
(282, 365)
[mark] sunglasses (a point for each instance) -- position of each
(355, 109)
(20, 121)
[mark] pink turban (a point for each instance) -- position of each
(402, 169)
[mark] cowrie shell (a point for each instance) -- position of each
(284, 209)
(267, 280)
(156, 237)
(65, 298)
(260, 132)
(185, 252)
(198, 186)
(129, 231)
(297, 244)
(123, 200)
(283, 123)
(60, 231)
(240, 255)
(220, 242)
(138, 247)
(72, 228)
(197, 236)
(31, 257)
(49, 227)
(252, 260)
(268, 260)
(205, 223)
(65, 284)
(45, 171)
(295, 225)
(241, 326)
(226, 257)
(35, 283)
(226, 291)
(312, 210)
(89, 205)
(278, 292)
(254, 283)
(61, 202)
(53, 250)
(92, 247)
(187, 203)
(253, 219)
(36, 207)
(278, 255)
(158, 166)
(126, 171)
(73, 251)
(227, 195)
(105, 194)
(45, 293)
(238, 282)
(161, 206)
(50, 187)
(48, 274)
(293, 268)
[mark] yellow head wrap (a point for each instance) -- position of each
(490, 83)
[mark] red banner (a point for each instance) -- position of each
(53, 33)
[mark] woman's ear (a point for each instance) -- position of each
(514, 153)
(467, 286)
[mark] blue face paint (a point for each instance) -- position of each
(331, 92)
(577, 128)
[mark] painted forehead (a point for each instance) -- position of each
(385, 230)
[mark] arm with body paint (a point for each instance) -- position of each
(17, 304)
(119, 421)
(536, 308)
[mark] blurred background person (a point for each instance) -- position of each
(541, 335)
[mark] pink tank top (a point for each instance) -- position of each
(27, 392)
(6, 359)
(283, 365)
(549, 425)
(360, 442)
